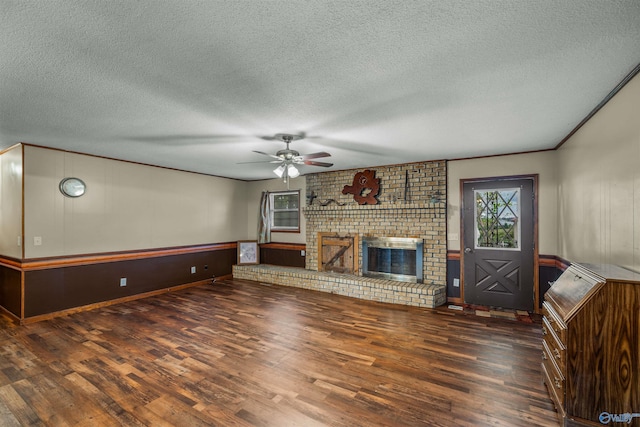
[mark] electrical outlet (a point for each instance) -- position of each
(303, 253)
(456, 283)
(193, 269)
(37, 241)
(19, 240)
(123, 281)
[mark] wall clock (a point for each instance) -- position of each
(248, 252)
(72, 187)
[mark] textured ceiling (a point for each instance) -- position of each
(194, 85)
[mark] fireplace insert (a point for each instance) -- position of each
(393, 258)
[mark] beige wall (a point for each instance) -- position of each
(589, 198)
(254, 191)
(541, 163)
(599, 185)
(11, 203)
(127, 206)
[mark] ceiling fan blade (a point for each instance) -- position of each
(267, 154)
(315, 155)
(323, 164)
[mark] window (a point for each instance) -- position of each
(497, 218)
(285, 211)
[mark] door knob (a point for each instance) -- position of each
(467, 250)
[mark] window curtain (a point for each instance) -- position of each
(264, 219)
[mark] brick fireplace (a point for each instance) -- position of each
(412, 204)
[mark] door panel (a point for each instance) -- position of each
(498, 236)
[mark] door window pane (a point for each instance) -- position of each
(497, 217)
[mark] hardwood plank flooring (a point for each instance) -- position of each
(240, 353)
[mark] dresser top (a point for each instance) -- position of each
(612, 272)
(573, 289)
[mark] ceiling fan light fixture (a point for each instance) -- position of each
(289, 158)
(292, 171)
(279, 171)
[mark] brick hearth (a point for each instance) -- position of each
(389, 291)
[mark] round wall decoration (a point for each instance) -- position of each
(72, 187)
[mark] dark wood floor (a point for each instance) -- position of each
(238, 353)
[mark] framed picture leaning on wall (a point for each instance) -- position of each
(248, 252)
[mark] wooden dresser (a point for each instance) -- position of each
(591, 345)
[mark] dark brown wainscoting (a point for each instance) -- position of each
(10, 289)
(283, 254)
(550, 267)
(453, 272)
(40, 289)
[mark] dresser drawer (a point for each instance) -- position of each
(554, 322)
(558, 400)
(556, 348)
(555, 378)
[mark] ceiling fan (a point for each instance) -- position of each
(288, 158)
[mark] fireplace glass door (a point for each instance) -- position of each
(392, 261)
(393, 258)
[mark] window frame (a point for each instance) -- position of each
(272, 210)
